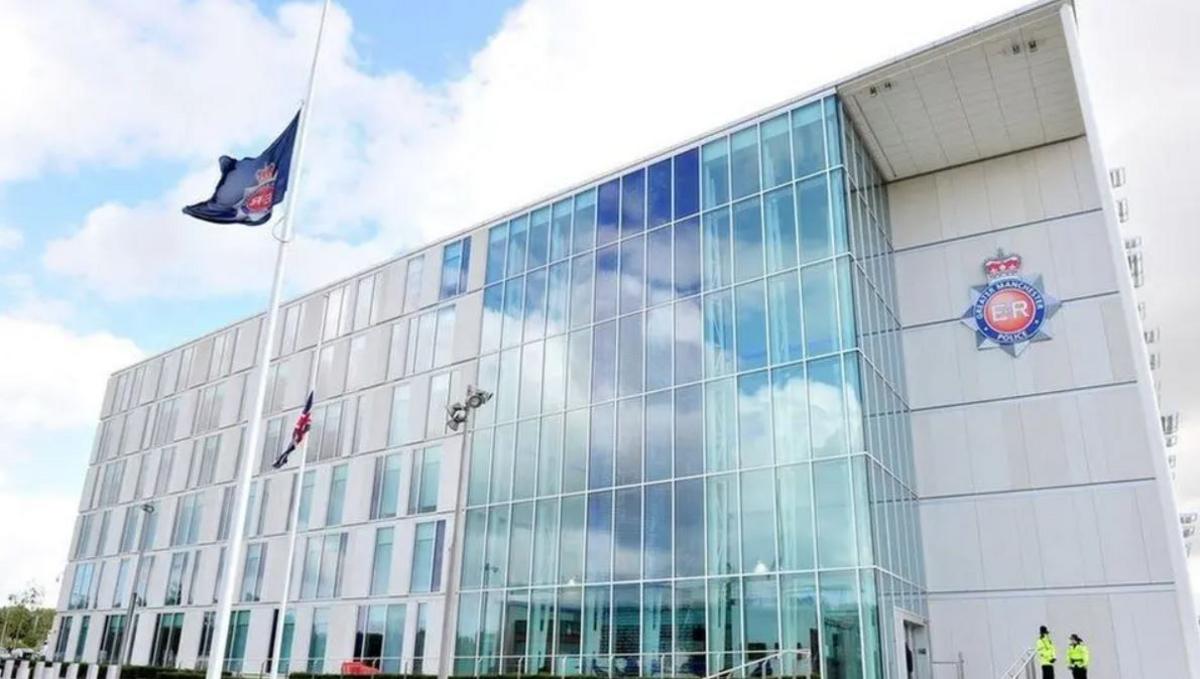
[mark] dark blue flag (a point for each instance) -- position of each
(250, 187)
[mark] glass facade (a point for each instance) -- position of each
(698, 453)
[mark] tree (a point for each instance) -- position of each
(24, 623)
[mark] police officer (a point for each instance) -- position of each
(1078, 657)
(1046, 654)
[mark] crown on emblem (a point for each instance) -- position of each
(1002, 265)
(265, 173)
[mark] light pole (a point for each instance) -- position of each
(127, 642)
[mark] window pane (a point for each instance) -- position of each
(575, 451)
(496, 556)
(658, 436)
(571, 542)
(715, 173)
(600, 452)
(798, 615)
(839, 617)
(718, 334)
(581, 291)
(724, 624)
(835, 538)
(608, 211)
(629, 441)
(744, 162)
(558, 296)
(754, 420)
(627, 534)
(812, 206)
(790, 408)
(783, 307)
(826, 407)
(687, 257)
(720, 450)
(658, 266)
(629, 369)
(517, 233)
(493, 317)
(633, 202)
(832, 130)
(599, 537)
(689, 529)
(659, 324)
(526, 459)
(550, 456)
(481, 464)
(607, 282)
(514, 301)
(659, 193)
(597, 636)
(751, 326)
(780, 216)
(585, 222)
(570, 620)
(747, 239)
(688, 354)
(560, 230)
(762, 615)
(689, 432)
(554, 379)
(604, 361)
(808, 139)
(633, 274)
(545, 543)
(820, 309)
(531, 379)
(520, 544)
(535, 302)
(717, 256)
(687, 183)
(758, 521)
(497, 249)
(776, 156)
(658, 531)
(502, 460)
(539, 227)
(724, 541)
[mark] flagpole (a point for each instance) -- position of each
(294, 509)
(233, 563)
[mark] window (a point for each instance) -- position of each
(174, 592)
(81, 586)
(456, 257)
(381, 562)
(291, 325)
(379, 636)
(439, 398)
(272, 444)
(337, 495)
(317, 640)
(252, 571)
(144, 483)
(222, 355)
(322, 570)
(102, 538)
(385, 487)
(81, 640)
(64, 633)
(328, 438)
(423, 488)
(166, 460)
(141, 579)
(118, 596)
(208, 408)
(191, 588)
(412, 283)
(285, 648)
(306, 495)
(186, 529)
(333, 313)
(356, 369)
(226, 515)
(206, 635)
(112, 640)
(362, 302)
(430, 340)
(398, 433)
(164, 422)
(239, 627)
(427, 557)
(204, 461)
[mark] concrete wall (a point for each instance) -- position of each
(1039, 497)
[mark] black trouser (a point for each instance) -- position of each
(1047, 671)
(1078, 673)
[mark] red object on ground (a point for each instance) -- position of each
(358, 668)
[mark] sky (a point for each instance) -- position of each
(428, 119)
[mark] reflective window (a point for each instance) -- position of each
(456, 257)
(808, 139)
(715, 173)
(658, 192)
(686, 167)
(633, 203)
(744, 162)
(718, 263)
(608, 211)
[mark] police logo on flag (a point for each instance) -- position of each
(258, 200)
(1010, 311)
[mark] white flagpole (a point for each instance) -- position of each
(233, 562)
(294, 509)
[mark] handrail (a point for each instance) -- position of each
(1023, 665)
(777, 655)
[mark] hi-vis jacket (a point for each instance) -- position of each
(1045, 650)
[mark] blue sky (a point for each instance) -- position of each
(430, 117)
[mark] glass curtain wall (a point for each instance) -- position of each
(698, 452)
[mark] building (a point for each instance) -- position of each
(736, 413)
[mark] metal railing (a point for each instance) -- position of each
(959, 665)
(1022, 668)
(772, 665)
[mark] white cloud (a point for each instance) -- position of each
(37, 529)
(10, 238)
(559, 93)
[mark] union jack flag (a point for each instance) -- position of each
(303, 424)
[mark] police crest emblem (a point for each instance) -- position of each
(1009, 311)
(257, 200)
